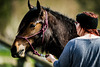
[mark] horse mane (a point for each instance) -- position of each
(68, 22)
(59, 16)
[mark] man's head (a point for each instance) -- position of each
(87, 22)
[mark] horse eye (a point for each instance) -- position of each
(32, 25)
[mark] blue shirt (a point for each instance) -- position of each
(80, 53)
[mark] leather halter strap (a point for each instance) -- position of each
(43, 30)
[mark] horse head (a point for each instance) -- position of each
(45, 29)
(31, 29)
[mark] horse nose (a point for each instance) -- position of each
(18, 50)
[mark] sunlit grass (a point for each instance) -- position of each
(7, 65)
(8, 61)
(4, 53)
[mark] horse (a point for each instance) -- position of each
(44, 29)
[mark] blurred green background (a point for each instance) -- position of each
(12, 12)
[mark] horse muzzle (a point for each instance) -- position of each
(17, 54)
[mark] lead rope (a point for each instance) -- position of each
(43, 30)
(45, 25)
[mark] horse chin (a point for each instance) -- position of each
(18, 56)
(21, 55)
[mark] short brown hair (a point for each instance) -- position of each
(92, 31)
(91, 14)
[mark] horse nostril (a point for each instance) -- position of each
(21, 51)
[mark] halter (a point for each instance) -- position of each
(45, 26)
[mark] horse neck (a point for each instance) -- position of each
(58, 34)
(63, 28)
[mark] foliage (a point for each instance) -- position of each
(5, 13)
(7, 65)
(91, 5)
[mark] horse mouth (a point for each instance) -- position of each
(20, 54)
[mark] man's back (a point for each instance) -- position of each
(80, 53)
(87, 53)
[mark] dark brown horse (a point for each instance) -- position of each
(45, 29)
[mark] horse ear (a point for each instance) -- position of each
(38, 6)
(29, 5)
